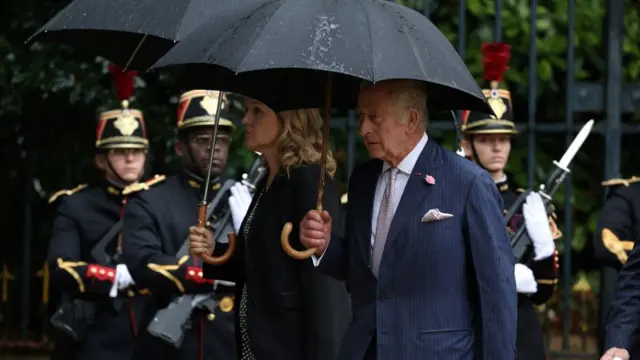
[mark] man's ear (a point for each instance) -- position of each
(101, 162)
(466, 146)
(413, 121)
(180, 148)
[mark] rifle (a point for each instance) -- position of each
(74, 315)
(520, 241)
(170, 324)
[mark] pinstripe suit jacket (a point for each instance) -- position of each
(445, 289)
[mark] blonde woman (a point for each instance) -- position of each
(285, 309)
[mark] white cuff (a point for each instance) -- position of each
(316, 260)
(543, 250)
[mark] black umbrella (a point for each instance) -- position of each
(294, 54)
(133, 34)
(358, 40)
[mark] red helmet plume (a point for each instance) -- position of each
(496, 60)
(123, 81)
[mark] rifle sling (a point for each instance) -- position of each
(99, 252)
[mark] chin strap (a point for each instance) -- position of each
(474, 155)
(114, 172)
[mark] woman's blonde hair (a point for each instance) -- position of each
(301, 140)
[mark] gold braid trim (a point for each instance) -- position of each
(138, 186)
(615, 245)
(164, 271)
(69, 266)
(547, 281)
(55, 196)
(625, 182)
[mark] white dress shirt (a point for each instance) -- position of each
(405, 168)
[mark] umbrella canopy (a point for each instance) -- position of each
(131, 34)
(278, 51)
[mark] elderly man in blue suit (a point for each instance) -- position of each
(425, 250)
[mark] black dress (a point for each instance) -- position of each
(529, 338)
(288, 309)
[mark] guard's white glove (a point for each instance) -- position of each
(525, 281)
(122, 280)
(536, 221)
(616, 354)
(239, 203)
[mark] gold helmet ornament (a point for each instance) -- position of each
(198, 108)
(496, 62)
(122, 128)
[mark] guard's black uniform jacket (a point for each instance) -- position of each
(156, 225)
(529, 340)
(619, 224)
(618, 229)
(84, 215)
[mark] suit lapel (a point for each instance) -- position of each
(416, 190)
(365, 206)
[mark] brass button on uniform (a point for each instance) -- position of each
(226, 304)
(211, 316)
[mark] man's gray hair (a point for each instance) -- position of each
(408, 95)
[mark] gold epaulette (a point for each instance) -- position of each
(138, 186)
(344, 199)
(625, 182)
(55, 196)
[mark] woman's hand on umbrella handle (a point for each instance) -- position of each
(206, 256)
(315, 234)
(284, 240)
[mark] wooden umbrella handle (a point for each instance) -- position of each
(288, 227)
(284, 241)
(286, 230)
(211, 260)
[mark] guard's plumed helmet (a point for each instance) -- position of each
(496, 63)
(124, 127)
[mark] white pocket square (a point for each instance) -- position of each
(435, 215)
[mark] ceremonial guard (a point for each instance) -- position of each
(619, 223)
(617, 231)
(100, 314)
(487, 142)
(157, 221)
